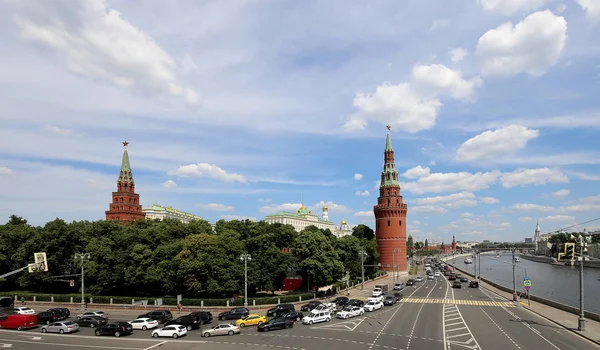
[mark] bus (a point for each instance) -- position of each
(7, 306)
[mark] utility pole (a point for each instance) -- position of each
(514, 275)
(82, 256)
(363, 254)
(582, 249)
(475, 263)
(245, 258)
(397, 250)
(393, 265)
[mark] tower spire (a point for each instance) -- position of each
(125, 204)
(388, 140)
(125, 175)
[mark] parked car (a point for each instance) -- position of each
(474, 284)
(91, 321)
(18, 322)
(281, 308)
(340, 301)
(162, 316)
(46, 317)
(143, 323)
(373, 305)
(204, 317)
(251, 320)
(315, 317)
(276, 323)
(377, 292)
(222, 329)
(117, 329)
(294, 316)
(62, 313)
(399, 286)
(189, 321)
(234, 314)
(456, 284)
(93, 313)
(173, 331)
(311, 305)
(350, 311)
(23, 310)
(60, 327)
(390, 300)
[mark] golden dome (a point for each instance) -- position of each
(325, 208)
(344, 222)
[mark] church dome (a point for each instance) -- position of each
(325, 208)
(344, 222)
(303, 210)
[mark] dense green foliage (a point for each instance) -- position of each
(158, 258)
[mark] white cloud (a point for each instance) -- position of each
(429, 209)
(586, 204)
(416, 172)
(449, 199)
(365, 193)
(447, 182)
(558, 218)
(532, 207)
(416, 222)
(237, 217)
(331, 206)
(5, 170)
(561, 193)
(466, 215)
(510, 7)
(540, 176)
(497, 143)
(532, 46)
(584, 176)
(560, 8)
(358, 177)
(591, 7)
(216, 207)
(274, 208)
(211, 171)
(413, 106)
(265, 200)
(169, 184)
(94, 41)
(476, 224)
(365, 214)
(57, 130)
(525, 219)
(315, 208)
(457, 54)
(488, 200)
(438, 23)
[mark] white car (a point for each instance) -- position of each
(325, 307)
(437, 274)
(174, 331)
(316, 317)
(375, 299)
(429, 277)
(24, 310)
(102, 314)
(399, 286)
(419, 279)
(350, 311)
(377, 292)
(143, 323)
(373, 305)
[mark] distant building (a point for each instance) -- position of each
(156, 211)
(529, 240)
(343, 230)
(125, 204)
(302, 218)
(542, 244)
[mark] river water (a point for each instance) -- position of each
(557, 283)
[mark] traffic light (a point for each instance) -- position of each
(41, 262)
(569, 251)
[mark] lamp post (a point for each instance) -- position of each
(363, 255)
(514, 275)
(82, 256)
(397, 250)
(393, 264)
(582, 250)
(245, 257)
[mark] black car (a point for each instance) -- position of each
(62, 313)
(355, 302)
(47, 317)
(162, 316)
(203, 316)
(474, 284)
(464, 279)
(398, 295)
(294, 316)
(341, 301)
(280, 309)
(452, 277)
(91, 321)
(189, 321)
(234, 314)
(410, 282)
(311, 305)
(456, 284)
(276, 323)
(390, 300)
(117, 329)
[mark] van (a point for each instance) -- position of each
(18, 322)
(383, 287)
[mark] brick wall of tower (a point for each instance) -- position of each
(125, 207)
(390, 230)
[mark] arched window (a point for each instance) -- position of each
(389, 223)
(400, 222)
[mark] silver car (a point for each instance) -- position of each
(222, 329)
(61, 327)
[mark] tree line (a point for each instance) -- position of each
(161, 258)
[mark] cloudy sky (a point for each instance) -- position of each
(239, 109)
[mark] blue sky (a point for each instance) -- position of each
(238, 109)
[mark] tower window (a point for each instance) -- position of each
(400, 222)
(389, 223)
(388, 201)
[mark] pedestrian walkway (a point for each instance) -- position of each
(457, 302)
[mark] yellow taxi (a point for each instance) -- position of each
(251, 320)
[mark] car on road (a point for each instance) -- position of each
(281, 308)
(294, 316)
(251, 320)
(23, 310)
(355, 302)
(162, 316)
(430, 277)
(93, 313)
(47, 317)
(377, 292)
(311, 305)
(399, 286)
(398, 296)
(276, 323)
(143, 323)
(188, 321)
(452, 277)
(174, 331)
(437, 274)
(350, 311)
(376, 299)
(325, 307)
(204, 317)
(373, 305)
(91, 321)
(410, 282)
(222, 329)
(419, 279)
(18, 322)
(234, 314)
(60, 327)
(474, 284)
(116, 329)
(390, 300)
(62, 313)
(463, 279)
(456, 284)
(316, 317)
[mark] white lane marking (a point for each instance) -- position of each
(452, 313)
(445, 341)
(4, 345)
(74, 345)
(501, 330)
(410, 337)
(155, 345)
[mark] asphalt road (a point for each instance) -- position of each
(476, 319)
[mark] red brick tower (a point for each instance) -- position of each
(125, 206)
(390, 214)
(453, 244)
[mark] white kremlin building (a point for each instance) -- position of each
(156, 211)
(303, 218)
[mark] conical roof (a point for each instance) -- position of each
(125, 173)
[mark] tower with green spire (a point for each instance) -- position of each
(125, 206)
(390, 214)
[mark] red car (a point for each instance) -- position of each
(18, 322)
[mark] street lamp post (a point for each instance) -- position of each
(581, 319)
(514, 275)
(479, 258)
(397, 250)
(393, 264)
(82, 256)
(363, 254)
(245, 258)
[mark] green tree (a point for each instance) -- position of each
(316, 258)
(363, 232)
